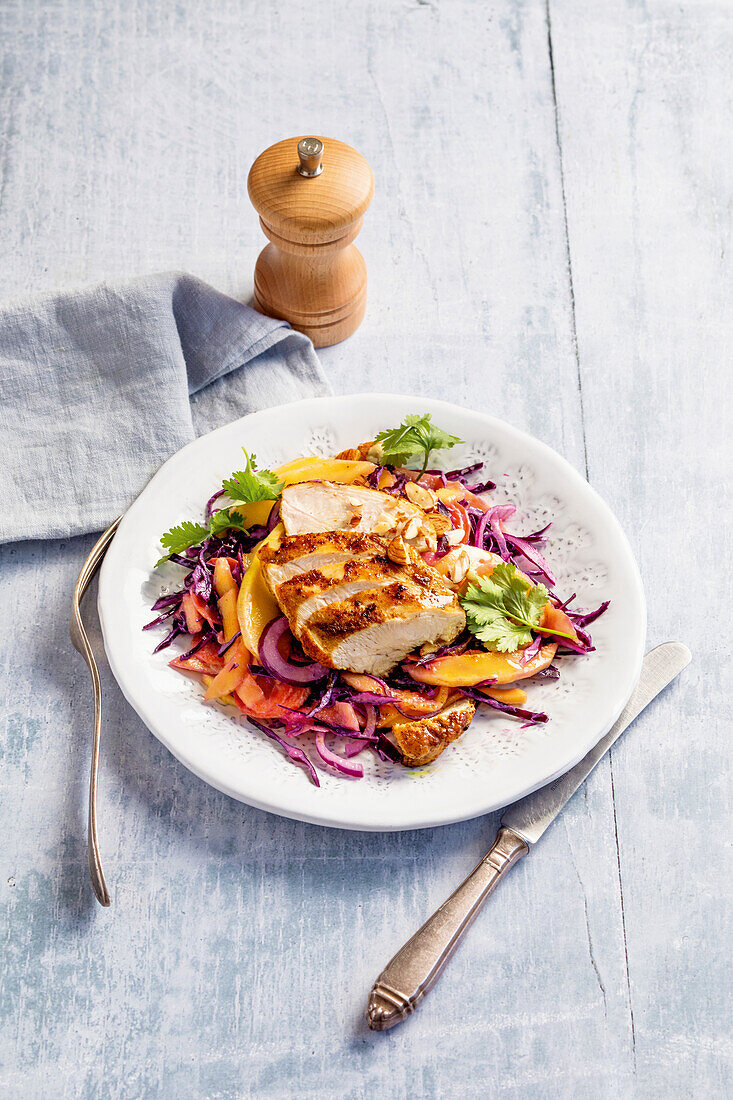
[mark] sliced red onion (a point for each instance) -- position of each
(340, 763)
(496, 518)
(277, 665)
(532, 555)
(353, 748)
(371, 722)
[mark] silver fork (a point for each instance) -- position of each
(81, 642)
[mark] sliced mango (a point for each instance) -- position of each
(223, 579)
(343, 470)
(256, 606)
(228, 611)
(227, 699)
(468, 669)
(231, 676)
(515, 697)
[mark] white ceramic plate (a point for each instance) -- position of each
(496, 761)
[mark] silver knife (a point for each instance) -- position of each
(416, 967)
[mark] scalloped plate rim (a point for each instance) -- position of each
(312, 814)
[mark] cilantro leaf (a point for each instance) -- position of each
(501, 610)
(179, 538)
(244, 486)
(416, 436)
(187, 534)
(250, 485)
(225, 519)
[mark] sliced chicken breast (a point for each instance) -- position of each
(366, 613)
(296, 556)
(317, 506)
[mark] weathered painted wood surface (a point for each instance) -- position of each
(549, 241)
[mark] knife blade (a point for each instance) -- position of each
(529, 817)
(416, 967)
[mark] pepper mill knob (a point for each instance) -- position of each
(311, 194)
(310, 152)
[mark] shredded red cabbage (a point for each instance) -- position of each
(328, 687)
(232, 640)
(214, 497)
(295, 753)
(532, 716)
(206, 636)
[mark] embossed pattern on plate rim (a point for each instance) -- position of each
(493, 764)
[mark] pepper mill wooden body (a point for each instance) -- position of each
(311, 194)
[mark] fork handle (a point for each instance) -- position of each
(416, 967)
(81, 642)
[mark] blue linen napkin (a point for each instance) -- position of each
(99, 387)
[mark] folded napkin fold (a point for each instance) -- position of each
(99, 387)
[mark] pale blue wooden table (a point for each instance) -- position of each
(550, 242)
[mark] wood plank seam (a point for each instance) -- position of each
(571, 288)
(574, 336)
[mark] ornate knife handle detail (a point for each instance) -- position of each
(416, 967)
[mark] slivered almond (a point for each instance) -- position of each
(351, 455)
(441, 524)
(384, 526)
(454, 536)
(428, 537)
(460, 567)
(411, 528)
(420, 495)
(398, 552)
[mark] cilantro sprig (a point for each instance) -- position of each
(187, 534)
(416, 437)
(502, 609)
(244, 487)
(250, 485)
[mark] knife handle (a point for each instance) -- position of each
(416, 967)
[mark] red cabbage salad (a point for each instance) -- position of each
(239, 645)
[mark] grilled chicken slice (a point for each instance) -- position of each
(351, 606)
(314, 506)
(422, 740)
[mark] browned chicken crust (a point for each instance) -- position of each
(351, 606)
(298, 546)
(421, 741)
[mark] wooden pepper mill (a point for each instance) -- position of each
(311, 194)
